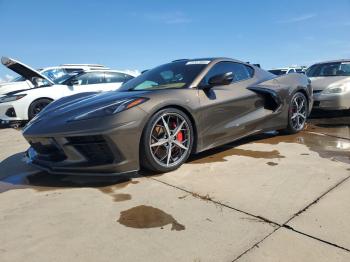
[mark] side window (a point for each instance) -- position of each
(250, 71)
(240, 71)
(90, 78)
(114, 77)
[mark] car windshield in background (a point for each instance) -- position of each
(56, 74)
(278, 72)
(61, 80)
(173, 75)
(329, 69)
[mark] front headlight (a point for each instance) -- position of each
(111, 109)
(11, 98)
(337, 89)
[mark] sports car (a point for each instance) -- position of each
(156, 120)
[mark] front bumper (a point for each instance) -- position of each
(331, 101)
(8, 112)
(80, 155)
(91, 147)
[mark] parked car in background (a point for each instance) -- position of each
(331, 84)
(23, 105)
(288, 70)
(53, 73)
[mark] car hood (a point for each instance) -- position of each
(14, 86)
(23, 70)
(71, 106)
(322, 82)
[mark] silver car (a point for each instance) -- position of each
(331, 84)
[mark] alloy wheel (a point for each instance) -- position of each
(170, 139)
(298, 112)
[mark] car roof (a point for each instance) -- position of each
(213, 59)
(333, 61)
(111, 71)
(87, 65)
(82, 67)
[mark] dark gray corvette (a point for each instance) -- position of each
(158, 119)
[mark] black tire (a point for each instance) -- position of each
(149, 157)
(37, 106)
(292, 127)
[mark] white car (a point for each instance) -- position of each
(288, 70)
(23, 105)
(20, 83)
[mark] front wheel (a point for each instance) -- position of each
(36, 107)
(166, 141)
(297, 115)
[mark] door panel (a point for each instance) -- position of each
(225, 111)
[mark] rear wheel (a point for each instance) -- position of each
(166, 141)
(297, 115)
(36, 107)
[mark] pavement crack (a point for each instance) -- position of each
(209, 199)
(255, 245)
(316, 238)
(317, 199)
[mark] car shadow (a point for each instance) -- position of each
(14, 165)
(320, 114)
(15, 173)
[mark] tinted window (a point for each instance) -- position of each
(173, 75)
(90, 78)
(278, 72)
(114, 77)
(240, 71)
(329, 69)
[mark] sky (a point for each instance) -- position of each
(137, 34)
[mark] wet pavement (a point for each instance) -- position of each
(269, 197)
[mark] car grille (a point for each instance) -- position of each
(94, 148)
(47, 149)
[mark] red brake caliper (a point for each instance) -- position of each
(179, 136)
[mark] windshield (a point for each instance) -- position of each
(173, 75)
(329, 69)
(61, 80)
(278, 72)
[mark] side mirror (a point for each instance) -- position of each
(38, 82)
(221, 79)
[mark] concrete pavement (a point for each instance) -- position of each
(266, 198)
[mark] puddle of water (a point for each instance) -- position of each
(331, 123)
(148, 217)
(341, 131)
(220, 157)
(272, 163)
(121, 197)
(327, 147)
